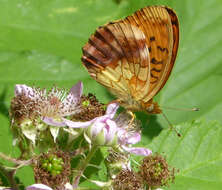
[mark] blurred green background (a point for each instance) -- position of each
(41, 40)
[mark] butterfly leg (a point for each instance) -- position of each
(129, 112)
(132, 115)
(171, 126)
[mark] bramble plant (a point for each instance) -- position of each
(39, 118)
(40, 45)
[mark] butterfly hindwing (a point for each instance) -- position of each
(117, 57)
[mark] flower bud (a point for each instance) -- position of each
(115, 162)
(103, 132)
(127, 179)
(90, 108)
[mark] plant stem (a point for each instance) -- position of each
(82, 166)
(84, 188)
(8, 158)
(14, 160)
(10, 177)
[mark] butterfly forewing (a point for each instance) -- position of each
(134, 57)
(175, 28)
(155, 22)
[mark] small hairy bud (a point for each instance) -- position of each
(90, 108)
(155, 171)
(127, 180)
(115, 162)
(22, 107)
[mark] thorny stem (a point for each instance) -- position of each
(10, 177)
(25, 151)
(84, 188)
(10, 171)
(14, 160)
(82, 166)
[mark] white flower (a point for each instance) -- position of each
(40, 186)
(32, 105)
(105, 129)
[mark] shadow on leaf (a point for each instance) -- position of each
(3, 108)
(150, 127)
(117, 1)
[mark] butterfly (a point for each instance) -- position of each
(134, 57)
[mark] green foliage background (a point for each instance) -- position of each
(40, 44)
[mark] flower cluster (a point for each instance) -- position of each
(53, 108)
(64, 125)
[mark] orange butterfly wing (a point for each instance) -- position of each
(117, 57)
(161, 28)
(134, 57)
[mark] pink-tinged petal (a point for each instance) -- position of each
(74, 124)
(121, 133)
(72, 98)
(76, 90)
(126, 137)
(110, 130)
(53, 122)
(102, 118)
(68, 186)
(85, 124)
(138, 150)
(38, 187)
(22, 88)
(76, 181)
(111, 109)
(96, 128)
(122, 136)
(5, 188)
(134, 138)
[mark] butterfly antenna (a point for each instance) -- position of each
(171, 126)
(181, 109)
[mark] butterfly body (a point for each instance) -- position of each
(134, 57)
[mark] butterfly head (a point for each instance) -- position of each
(151, 107)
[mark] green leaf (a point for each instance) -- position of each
(198, 72)
(197, 154)
(40, 43)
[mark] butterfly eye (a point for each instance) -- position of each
(150, 108)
